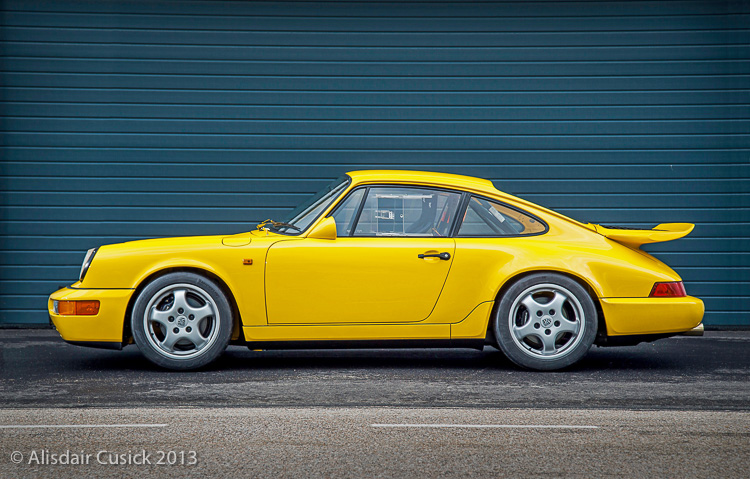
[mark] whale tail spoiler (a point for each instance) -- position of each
(637, 237)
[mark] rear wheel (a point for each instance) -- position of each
(181, 321)
(545, 321)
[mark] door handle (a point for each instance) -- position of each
(443, 256)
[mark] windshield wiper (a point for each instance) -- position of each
(277, 225)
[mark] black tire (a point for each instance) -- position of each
(181, 321)
(540, 335)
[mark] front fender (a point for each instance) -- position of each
(130, 265)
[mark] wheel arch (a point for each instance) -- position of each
(237, 335)
(592, 292)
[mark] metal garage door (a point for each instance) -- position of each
(123, 120)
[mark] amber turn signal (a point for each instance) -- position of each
(78, 308)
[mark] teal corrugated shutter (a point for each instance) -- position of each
(123, 120)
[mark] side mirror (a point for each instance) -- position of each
(326, 229)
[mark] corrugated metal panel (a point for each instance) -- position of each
(133, 119)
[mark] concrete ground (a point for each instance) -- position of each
(678, 407)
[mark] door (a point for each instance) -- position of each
(389, 265)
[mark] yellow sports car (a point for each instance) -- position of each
(385, 259)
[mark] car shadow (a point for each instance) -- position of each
(453, 361)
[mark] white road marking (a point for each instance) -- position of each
(55, 426)
(489, 426)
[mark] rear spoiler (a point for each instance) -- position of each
(637, 237)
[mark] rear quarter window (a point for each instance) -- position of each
(489, 218)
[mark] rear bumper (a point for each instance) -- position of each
(105, 327)
(628, 316)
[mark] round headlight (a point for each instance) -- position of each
(86, 263)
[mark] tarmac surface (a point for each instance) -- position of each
(678, 407)
(712, 372)
(376, 442)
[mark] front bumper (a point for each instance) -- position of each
(629, 316)
(105, 327)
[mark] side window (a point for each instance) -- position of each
(344, 214)
(487, 218)
(397, 211)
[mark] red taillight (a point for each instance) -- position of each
(668, 290)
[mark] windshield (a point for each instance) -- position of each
(303, 215)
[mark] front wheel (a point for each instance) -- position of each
(545, 321)
(181, 321)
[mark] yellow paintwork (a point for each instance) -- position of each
(651, 315)
(345, 281)
(474, 325)
(325, 332)
(103, 327)
(316, 286)
(636, 238)
(325, 230)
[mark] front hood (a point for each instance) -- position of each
(241, 239)
(182, 243)
(244, 239)
(121, 265)
(125, 265)
(157, 245)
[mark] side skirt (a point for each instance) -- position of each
(370, 344)
(96, 344)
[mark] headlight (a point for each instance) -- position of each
(87, 262)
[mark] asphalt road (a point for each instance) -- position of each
(711, 372)
(678, 407)
(375, 442)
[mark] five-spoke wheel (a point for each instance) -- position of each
(545, 322)
(181, 321)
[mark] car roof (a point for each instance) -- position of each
(476, 185)
(423, 177)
